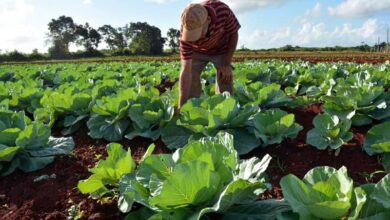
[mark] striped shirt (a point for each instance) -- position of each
(223, 24)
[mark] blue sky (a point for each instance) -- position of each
(265, 23)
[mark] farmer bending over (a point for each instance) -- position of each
(209, 33)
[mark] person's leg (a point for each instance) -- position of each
(221, 87)
(199, 62)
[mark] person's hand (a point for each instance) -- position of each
(225, 74)
(176, 111)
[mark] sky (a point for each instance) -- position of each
(265, 23)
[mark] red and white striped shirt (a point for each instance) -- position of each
(223, 24)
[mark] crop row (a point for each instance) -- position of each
(116, 101)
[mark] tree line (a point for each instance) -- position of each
(135, 38)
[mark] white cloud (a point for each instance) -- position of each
(161, 1)
(250, 5)
(14, 11)
(87, 2)
(318, 35)
(16, 29)
(360, 8)
(240, 6)
(314, 12)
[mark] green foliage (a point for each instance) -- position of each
(219, 182)
(324, 193)
(377, 205)
(145, 38)
(27, 146)
(109, 119)
(202, 117)
(108, 172)
(329, 131)
(72, 107)
(149, 115)
(386, 162)
(114, 37)
(266, 96)
(173, 39)
(377, 139)
(88, 37)
(358, 99)
(272, 126)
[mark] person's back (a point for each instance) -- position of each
(209, 33)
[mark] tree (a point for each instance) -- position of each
(62, 32)
(147, 34)
(58, 50)
(35, 55)
(113, 37)
(173, 36)
(88, 37)
(141, 44)
(288, 47)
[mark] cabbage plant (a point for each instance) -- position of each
(70, 110)
(323, 193)
(149, 115)
(329, 131)
(108, 172)
(378, 139)
(272, 126)
(377, 205)
(203, 177)
(361, 104)
(202, 117)
(109, 118)
(27, 145)
(265, 96)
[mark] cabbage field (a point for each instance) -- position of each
(295, 140)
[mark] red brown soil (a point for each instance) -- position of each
(20, 198)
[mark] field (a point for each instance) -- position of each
(301, 139)
(241, 56)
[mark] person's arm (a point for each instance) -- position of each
(226, 75)
(185, 81)
(232, 45)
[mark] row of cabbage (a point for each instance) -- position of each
(250, 126)
(51, 93)
(206, 180)
(118, 101)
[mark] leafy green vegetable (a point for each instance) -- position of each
(272, 126)
(219, 182)
(149, 115)
(271, 96)
(109, 119)
(358, 102)
(377, 205)
(202, 117)
(378, 139)
(329, 131)
(324, 193)
(27, 147)
(108, 172)
(266, 96)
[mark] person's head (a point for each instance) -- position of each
(195, 21)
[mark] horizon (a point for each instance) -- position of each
(265, 24)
